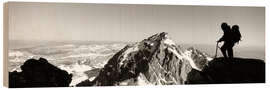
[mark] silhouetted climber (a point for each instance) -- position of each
(228, 40)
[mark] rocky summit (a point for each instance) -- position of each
(154, 61)
(39, 73)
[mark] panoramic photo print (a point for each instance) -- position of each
(84, 44)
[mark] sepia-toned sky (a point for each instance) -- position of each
(114, 22)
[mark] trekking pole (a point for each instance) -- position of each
(216, 49)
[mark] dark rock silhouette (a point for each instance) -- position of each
(39, 73)
(238, 70)
(197, 77)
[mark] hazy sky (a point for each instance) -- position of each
(113, 22)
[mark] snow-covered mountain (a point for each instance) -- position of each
(154, 61)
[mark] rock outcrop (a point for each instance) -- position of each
(154, 61)
(39, 73)
(238, 70)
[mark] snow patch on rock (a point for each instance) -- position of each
(142, 80)
(128, 51)
(169, 42)
(77, 71)
(187, 56)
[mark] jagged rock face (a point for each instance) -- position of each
(39, 73)
(201, 59)
(155, 61)
(193, 75)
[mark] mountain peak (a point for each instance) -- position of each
(156, 60)
(158, 36)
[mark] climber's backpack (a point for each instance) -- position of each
(236, 34)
